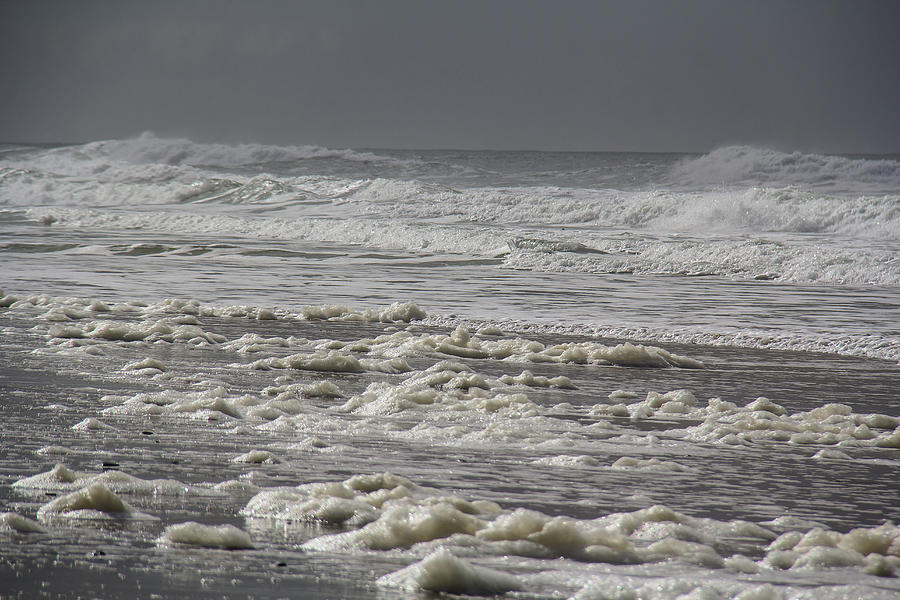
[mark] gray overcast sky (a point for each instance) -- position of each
(814, 75)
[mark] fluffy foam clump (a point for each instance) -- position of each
(256, 457)
(94, 502)
(390, 511)
(250, 343)
(10, 521)
(762, 420)
(386, 512)
(564, 460)
(451, 388)
(319, 389)
(673, 404)
(331, 361)
(759, 421)
(61, 478)
(396, 312)
(618, 539)
(357, 500)
(61, 309)
(404, 312)
(460, 343)
(442, 572)
(876, 550)
(162, 330)
(534, 533)
(58, 309)
(213, 405)
(531, 380)
(226, 537)
(831, 454)
(627, 463)
(686, 587)
(403, 523)
(147, 366)
(446, 386)
(92, 424)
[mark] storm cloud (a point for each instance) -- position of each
(691, 75)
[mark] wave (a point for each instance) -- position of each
(875, 345)
(748, 165)
(150, 170)
(792, 259)
(747, 211)
(789, 234)
(743, 259)
(150, 156)
(764, 210)
(148, 148)
(744, 211)
(730, 166)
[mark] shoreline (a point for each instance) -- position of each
(165, 408)
(883, 349)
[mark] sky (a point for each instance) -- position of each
(637, 75)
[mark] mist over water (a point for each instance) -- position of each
(550, 374)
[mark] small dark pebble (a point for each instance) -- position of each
(147, 432)
(99, 553)
(51, 494)
(281, 564)
(108, 464)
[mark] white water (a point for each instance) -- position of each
(225, 349)
(671, 247)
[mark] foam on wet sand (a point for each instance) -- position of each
(268, 399)
(227, 537)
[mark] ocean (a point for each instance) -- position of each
(239, 370)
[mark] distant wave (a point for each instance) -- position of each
(799, 261)
(753, 259)
(148, 148)
(708, 231)
(750, 210)
(748, 165)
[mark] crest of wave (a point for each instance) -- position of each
(750, 165)
(784, 210)
(148, 148)
(749, 210)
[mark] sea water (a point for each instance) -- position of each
(249, 370)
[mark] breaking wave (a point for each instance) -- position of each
(750, 229)
(147, 148)
(748, 165)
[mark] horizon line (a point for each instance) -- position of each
(59, 143)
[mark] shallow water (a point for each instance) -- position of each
(48, 393)
(707, 309)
